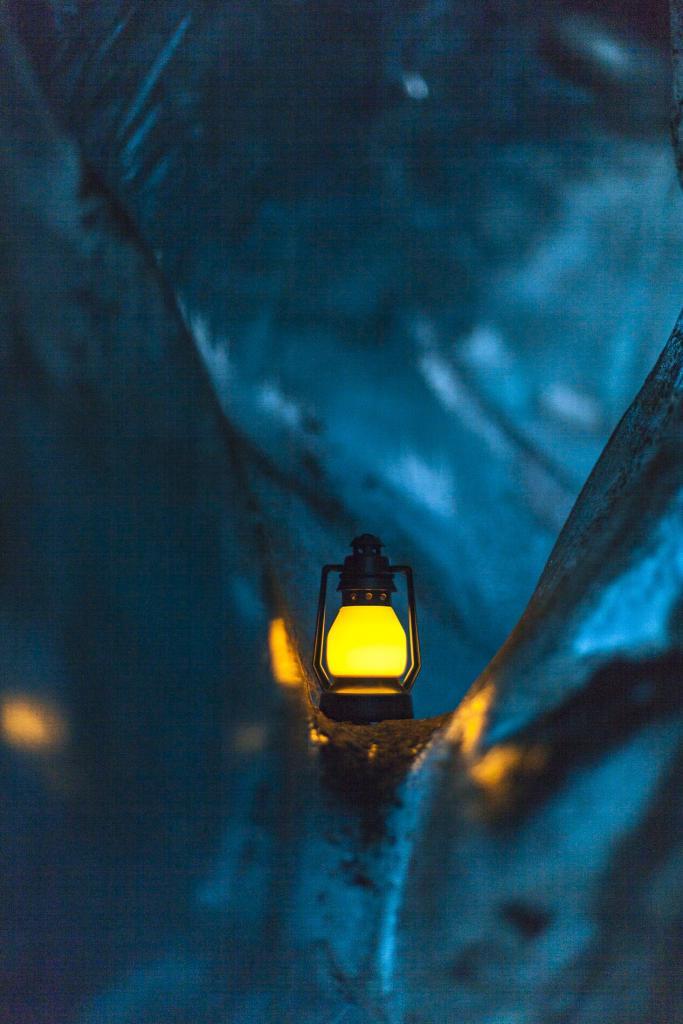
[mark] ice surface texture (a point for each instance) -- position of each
(274, 274)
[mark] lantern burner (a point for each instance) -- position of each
(366, 577)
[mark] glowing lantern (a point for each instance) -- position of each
(367, 661)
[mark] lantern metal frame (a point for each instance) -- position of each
(326, 680)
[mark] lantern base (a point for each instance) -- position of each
(362, 709)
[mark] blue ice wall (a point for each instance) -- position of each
(426, 254)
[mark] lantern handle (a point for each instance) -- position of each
(414, 639)
(318, 660)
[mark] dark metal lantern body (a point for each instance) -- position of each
(366, 578)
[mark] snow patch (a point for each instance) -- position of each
(274, 402)
(455, 396)
(431, 487)
(571, 406)
(634, 610)
(415, 86)
(485, 349)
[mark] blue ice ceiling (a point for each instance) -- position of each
(428, 252)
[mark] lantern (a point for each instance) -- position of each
(368, 659)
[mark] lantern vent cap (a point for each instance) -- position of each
(367, 543)
(367, 569)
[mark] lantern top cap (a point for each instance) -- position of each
(365, 541)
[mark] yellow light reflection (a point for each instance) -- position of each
(31, 724)
(499, 770)
(375, 690)
(496, 766)
(470, 718)
(503, 769)
(317, 737)
(283, 660)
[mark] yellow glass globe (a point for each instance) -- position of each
(366, 641)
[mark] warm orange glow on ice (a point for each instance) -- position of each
(501, 766)
(471, 717)
(283, 660)
(496, 765)
(30, 724)
(498, 770)
(316, 737)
